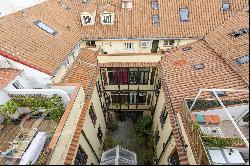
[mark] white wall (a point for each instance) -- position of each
(117, 46)
(4, 97)
(41, 78)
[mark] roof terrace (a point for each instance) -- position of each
(217, 126)
(32, 121)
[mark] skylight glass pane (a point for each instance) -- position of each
(46, 28)
(186, 48)
(199, 66)
(156, 19)
(242, 60)
(155, 5)
(225, 6)
(184, 14)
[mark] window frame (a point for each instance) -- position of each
(128, 46)
(83, 156)
(184, 14)
(45, 27)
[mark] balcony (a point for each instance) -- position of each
(214, 136)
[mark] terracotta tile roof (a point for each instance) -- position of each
(84, 71)
(230, 47)
(64, 118)
(204, 16)
(181, 80)
(24, 42)
(7, 75)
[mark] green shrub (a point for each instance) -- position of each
(9, 108)
(112, 125)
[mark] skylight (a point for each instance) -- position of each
(219, 93)
(184, 14)
(46, 28)
(199, 66)
(240, 32)
(242, 60)
(156, 19)
(186, 48)
(155, 5)
(225, 6)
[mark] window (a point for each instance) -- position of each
(184, 14)
(90, 44)
(186, 49)
(219, 93)
(133, 76)
(169, 42)
(199, 66)
(156, 19)
(149, 99)
(17, 85)
(104, 77)
(92, 114)
(238, 33)
(174, 158)
(163, 116)
(144, 74)
(155, 4)
(87, 19)
(106, 18)
(46, 28)
(123, 76)
(242, 60)
(157, 136)
(112, 74)
(129, 46)
(121, 98)
(99, 134)
(225, 6)
(152, 79)
(142, 98)
(126, 4)
(133, 98)
(81, 157)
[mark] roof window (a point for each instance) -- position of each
(225, 6)
(219, 93)
(184, 14)
(240, 32)
(186, 49)
(156, 19)
(199, 66)
(45, 27)
(242, 60)
(127, 4)
(155, 4)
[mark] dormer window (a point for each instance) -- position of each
(87, 18)
(127, 4)
(107, 18)
(184, 14)
(156, 19)
(155, 4)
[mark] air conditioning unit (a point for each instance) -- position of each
(145, 44)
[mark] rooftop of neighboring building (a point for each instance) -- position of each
(7, 75)
(177, 19)
(40, 37)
